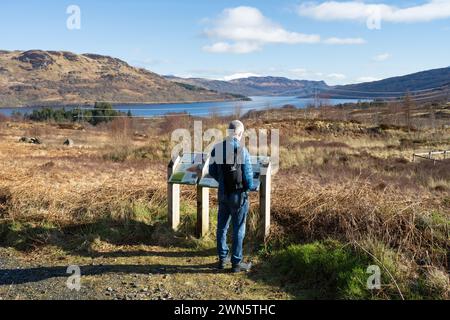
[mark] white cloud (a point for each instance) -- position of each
(237, 47)
(382, 57)
(301, 73)
(358, 10)
(336, 76)
(298, 73)
(343, 41)
(246, 29)
(249, 24)
(240, 75)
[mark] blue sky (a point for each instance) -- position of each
(331, 41)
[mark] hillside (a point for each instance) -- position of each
(218, 85)
(56, 77)
(36, 77)
(257, 86)
(279, 86)
(431, 83)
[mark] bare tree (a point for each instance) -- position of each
(392, 113)
(237, 112)
(432, 116)
(408, 105)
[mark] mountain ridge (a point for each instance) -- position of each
(256, 86)
(48, 78)
(56, 78)
(269, 85)
(428, 82)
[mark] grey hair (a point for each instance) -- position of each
(236, 128)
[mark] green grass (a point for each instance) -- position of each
(26, 235)
(435, 222)
(330, 269)
(136, 223)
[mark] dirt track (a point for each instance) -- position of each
(129, 273)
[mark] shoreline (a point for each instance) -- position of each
(74, 105)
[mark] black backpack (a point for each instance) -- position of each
(232, 173)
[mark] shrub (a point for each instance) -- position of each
(435, 284)
(102, 112)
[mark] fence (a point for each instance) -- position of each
(431, 155)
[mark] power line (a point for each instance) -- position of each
(387, 98)
(429, 98)
(385, 92)
(168, 109)
(368, 95)
(154, 116)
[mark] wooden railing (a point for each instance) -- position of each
(431, 155)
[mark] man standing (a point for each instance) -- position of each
(231, 167)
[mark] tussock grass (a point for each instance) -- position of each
(348, 181)
(354, 211)
(328, 269)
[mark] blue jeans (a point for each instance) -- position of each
(234, 208)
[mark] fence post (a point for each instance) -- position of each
(202, 211)
(173, 197)
(264, 198)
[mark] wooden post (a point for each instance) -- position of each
(264, 198)
(202, 211)
(173, 197)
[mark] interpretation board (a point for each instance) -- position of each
(192, 169)
(259, 167)
(207, 181)
(189, 169)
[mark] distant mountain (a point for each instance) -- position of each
(281, 86)
(423, 85)
(36, 77)
(257, 86)
(217, 85)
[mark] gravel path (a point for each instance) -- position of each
(131, 273)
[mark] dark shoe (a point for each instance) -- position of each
(241, 267)
(223, 263)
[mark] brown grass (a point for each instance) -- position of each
(338, 179)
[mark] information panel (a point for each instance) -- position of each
(189, 169)
(192, 169)
(207, 180)
(259, 163)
